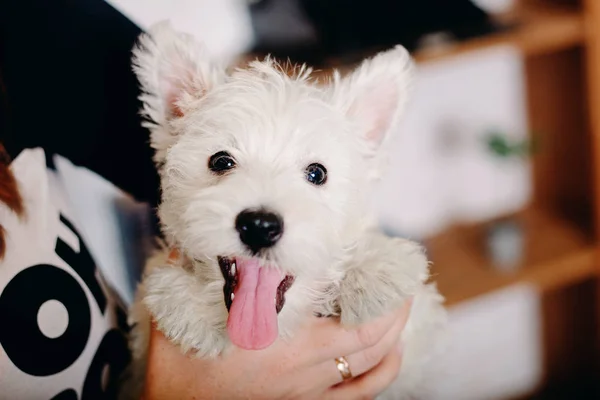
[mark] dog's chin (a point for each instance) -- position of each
(230, 270)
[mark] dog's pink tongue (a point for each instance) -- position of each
(252, 323)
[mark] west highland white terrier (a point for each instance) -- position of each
(265, 179)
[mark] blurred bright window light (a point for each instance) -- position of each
(223, 25)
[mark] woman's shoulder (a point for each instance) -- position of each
(28, 171)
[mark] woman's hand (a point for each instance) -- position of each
(302, 368)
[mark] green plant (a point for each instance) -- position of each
(500, 145)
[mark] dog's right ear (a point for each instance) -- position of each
(173, 70)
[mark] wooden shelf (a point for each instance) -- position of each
(536, 29)
(556, 254)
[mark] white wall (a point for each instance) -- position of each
(494, 348)
(431, 183)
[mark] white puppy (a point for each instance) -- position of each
(266, 180)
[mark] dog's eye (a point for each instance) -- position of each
(221, 162)
(316, 174)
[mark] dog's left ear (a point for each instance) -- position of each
(374, 94)
(174, 70)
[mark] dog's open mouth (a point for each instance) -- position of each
(254, 295)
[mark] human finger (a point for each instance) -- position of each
(328, 340)
(371, 384)
(364, 360)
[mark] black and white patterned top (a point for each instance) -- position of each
(62, 325)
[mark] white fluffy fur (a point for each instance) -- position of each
(274, 125)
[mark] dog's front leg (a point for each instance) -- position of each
(384, 273)
(189, 312)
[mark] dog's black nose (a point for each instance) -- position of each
(259, 229)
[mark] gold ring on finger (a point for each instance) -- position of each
(342, 366)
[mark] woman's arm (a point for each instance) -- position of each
(83, 104)
(302, 368)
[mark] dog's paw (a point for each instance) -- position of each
(385, 273)
(190, 314)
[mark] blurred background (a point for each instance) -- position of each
(494, 167)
